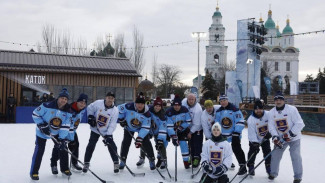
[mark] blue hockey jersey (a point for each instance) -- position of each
(230, 119)
(177, 118)
(158, 124)
(58, 120)
(136, 122)
(76, 117)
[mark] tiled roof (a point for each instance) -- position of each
(45, 62)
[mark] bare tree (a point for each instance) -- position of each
(47, 35)
(118, 43)
(137, 56)
(154, 72)
(167, 77)
(66, 41)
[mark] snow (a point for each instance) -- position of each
(17, 146)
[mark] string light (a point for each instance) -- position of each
(164, 45)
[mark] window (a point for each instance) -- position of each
(288, 66)
(276, 66)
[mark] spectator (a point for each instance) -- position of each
(37, 100)
(11, 102)
(51, 97)
(45, 98)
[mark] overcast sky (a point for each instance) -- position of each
(163, 22)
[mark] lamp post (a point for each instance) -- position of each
(198, 35)
(248, 62)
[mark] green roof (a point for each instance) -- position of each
(217, 14)
(269, 24)
(278, 33)
(287, 30)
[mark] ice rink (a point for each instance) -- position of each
(17, 145)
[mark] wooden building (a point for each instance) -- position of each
(28, 74)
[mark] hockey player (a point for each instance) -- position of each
(77, 109)
(216, 157)
(208, 116)
(159, 132)
(52, 118)
(232, 124)
(136, 117)
(178, 127)
(102, 118)
(258, 135)
(285, 123)
(195, 135)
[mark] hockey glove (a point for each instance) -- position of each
(220, 170)
(175, 140)
(179, 130)
(123, 123)
(159, 145)
(277, 142)
(288, 136)
(207, 167)
(235, 137)
(138, 142)
(44, 128)
(63, 144)
(92, 120)
(255, 146)
(268, 136)
(108, 139)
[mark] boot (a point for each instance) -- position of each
(158, 163)
(76, 167)
(242, 170)
(271, 177)
(297, 181)
(163, 165)
(268, 169)
(122, 165)
(186, 164)
(86, 167)
(152, 165)
(54, 170)
(116, 167)
(67, 172)
(140, 162)
(251, 170)
(34, 177)
(196, 162)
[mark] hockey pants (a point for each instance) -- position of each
(146, 145)
(112, 149)
(238, 151)
(196, 143)
(57, 154)
(295, 159)
(266, 148)
(73, 147)
(40, 144)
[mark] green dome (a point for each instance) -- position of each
(287, 30)
(269, 24)
(217, 14)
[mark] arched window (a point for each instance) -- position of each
(276, 50)
(216, 58)
(290, 50)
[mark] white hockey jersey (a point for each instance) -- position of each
(106, 117)
(257, 127)
(217, 154)
(281, 122)
(207, 120)
(195, 113)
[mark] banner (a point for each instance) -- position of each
(267, 81)
(195, 92)
(240, 86)
(279, 81)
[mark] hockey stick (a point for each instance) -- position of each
(204, 178)
(248, 161)
(175, 163)
(145, 153)
(172, 178)
(276, 147)
(67, 150)
(119, 157)
(194, 175)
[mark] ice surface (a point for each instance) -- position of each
(17, 146)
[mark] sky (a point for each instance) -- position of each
(162, 22)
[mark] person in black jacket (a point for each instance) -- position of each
(11, 102)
